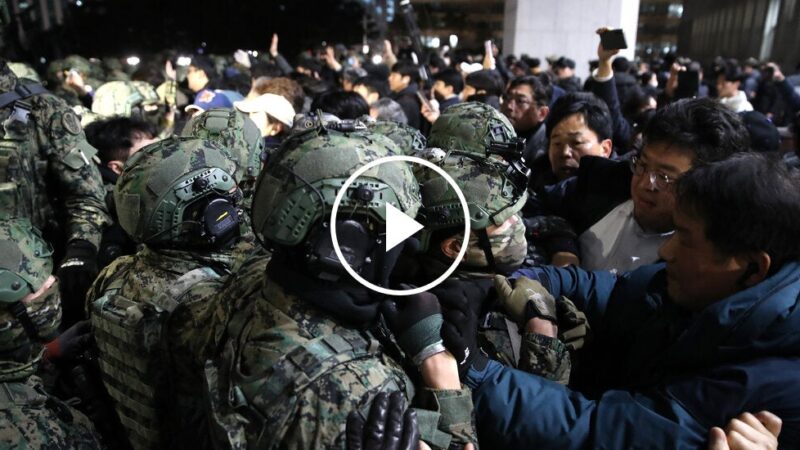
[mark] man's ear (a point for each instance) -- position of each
(542, 113)
(607, 146)
(757, 270)
(450, 247)
(115, 166)
(274, 128)
(406, 79)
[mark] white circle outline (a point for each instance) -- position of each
(464, 242)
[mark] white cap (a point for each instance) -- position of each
(274, 105)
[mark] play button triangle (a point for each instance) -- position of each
(399, 226)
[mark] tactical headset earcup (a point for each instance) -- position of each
(221, 222)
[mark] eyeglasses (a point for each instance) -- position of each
(521, 101)
(659, 180)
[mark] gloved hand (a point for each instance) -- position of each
(460, 327)
(416, 322)
(70, 344)
(75, 275)
(388, 427)
(525, 300)
(573, 326)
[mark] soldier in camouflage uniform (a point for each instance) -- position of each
(45, 166)
(30, 313)
(177, 198)
(136, 99)
(303, 347)
(71, 79)
(497, 244)
(408, 139)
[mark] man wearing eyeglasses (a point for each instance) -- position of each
(623, 214)
(526, 104)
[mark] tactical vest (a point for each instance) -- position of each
(134, 356)
(22, 173)
(234, 417)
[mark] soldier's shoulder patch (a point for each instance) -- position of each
(71, 122)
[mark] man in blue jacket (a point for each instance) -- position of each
(680, 346)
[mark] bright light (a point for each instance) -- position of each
(254, 53)
(453, 40)
(133, 60)
(377, 59)
(184, 61)
(436, 42)
(365, 49)
(79, 3)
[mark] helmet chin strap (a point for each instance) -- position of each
(19, 311)
(486, 246)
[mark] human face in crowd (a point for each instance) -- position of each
(442, 91)
(572, 139)
(657, 168)
(196, 78)
(398, 82)
(726, 88)
(467, 92)
(370, 97)
(698, 274)
(521, 109)
(138, 140)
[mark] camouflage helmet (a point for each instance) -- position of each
(408, 139)
(23, 70)
(235, 132)
(79, 63)
(117, 98)
(168, 190)
(147, 91)
(299, 187)
(25, 265)
(491, 196)
(471, 127)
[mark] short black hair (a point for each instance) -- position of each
(374, 84)
(344, 105)
(113, 137)
(730, 70)
(749, 202)
(205, 64)
(593, 110)
(486, 80)
(407, 69)
(265, 69)
(541, 92)
(451, 77)
(702, 125)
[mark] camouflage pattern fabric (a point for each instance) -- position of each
(470, 127)
(50, 154)
(178, 351)
(158, 185)
(235, 132)
(32, 419)
(24, 70)
(285, 207)
(408, 139)
(300, 372)
(118, 98)
(507, 242)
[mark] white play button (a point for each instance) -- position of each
(399, 227)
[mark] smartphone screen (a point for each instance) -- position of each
(613, 39)
(688, 84)
(424, 101)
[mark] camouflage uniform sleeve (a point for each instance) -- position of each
(545, 356)
(108, 275)
(63, 143)
(319, 419)
(454, 411)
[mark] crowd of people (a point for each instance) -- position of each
(630, 279)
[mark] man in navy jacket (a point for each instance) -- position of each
(680, 346)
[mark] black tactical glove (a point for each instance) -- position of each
(388, 427)
(75, 275)
(70, 344)
(461, 304)
(416, 322)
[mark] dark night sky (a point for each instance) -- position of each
(119, 27)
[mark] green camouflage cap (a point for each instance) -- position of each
(470, 127)
(300, 184)
(117, 98)
(25, 265)
(79, 63)
(23, 70)
(25, 260)
(234, 131)
(408, 139)
(161, 182)
(491, 196)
